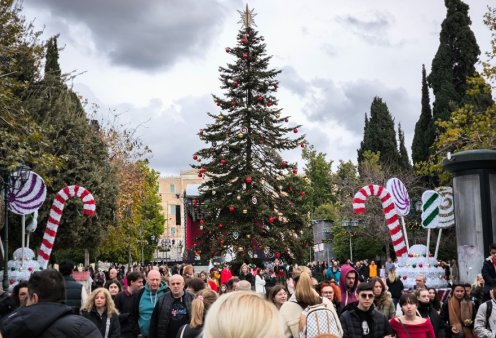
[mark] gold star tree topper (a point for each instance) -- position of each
(247, 17)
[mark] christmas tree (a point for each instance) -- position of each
(251, 197)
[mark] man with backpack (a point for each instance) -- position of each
(364, 320)
(485, 320)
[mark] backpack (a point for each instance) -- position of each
(489, 309)
(317, 321)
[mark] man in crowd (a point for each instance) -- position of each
(46, 315)
(243, 285)
(124, 301)
(348, 282)
(144, 302)
(420, 282)
(232, 283)
(485, 320)
(172, 311)
(75, 292)
(364, 320)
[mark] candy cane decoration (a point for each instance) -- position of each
(55, 215)
(389, 213)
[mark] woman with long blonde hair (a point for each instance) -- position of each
(199, 308)
(304, 295)
(242, 314)
(100, 309)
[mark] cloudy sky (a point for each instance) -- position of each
(155, 63)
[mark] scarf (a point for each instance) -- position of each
(460, 313)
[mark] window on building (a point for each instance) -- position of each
(178, 215)
(172, 209)
(172, 188)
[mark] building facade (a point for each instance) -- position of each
(171, 189)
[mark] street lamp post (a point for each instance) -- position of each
(166, 245)
(349, 224)
(10, 182)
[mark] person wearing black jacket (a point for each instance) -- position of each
(124, 302)
(245, 274)
(46, 315)
(100, 309)
(426, 310)
(489, 271)
(395, 286)
(362, 319)
(75, 293)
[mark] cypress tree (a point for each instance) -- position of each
(404, 160)
(424, 128)
(379, 135)
(454, 61)
(52, 67)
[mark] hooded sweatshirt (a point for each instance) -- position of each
(146, 305)
(347, 296)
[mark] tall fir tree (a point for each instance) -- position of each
(455, 60)
(424, 128)
(404, 160)
(249, 189)
(379, 135)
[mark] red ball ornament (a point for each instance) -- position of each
(269, 104)
(233, 103)
(218, 103)
(248, 180)
(202, 221)
(278, 255)
(404, 277)
(286, 120)
(245, 56)
(221, 242)
(244, 41)
(302, 193)
(284, 164)
(290, 189)
(228, 49)
(410, 255)
(220, 225)
(276, 85)
(259, 99)
(200, 175)
(295, 130)
(235, 84)
(195, 157)
(420, 265)
(195, 202)
(295, 171)
(231, 209)
(223, 162)
(272, 219)
(302, 145)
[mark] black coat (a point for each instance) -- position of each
(47, 320)
(73, 293)
(124, 303)
(189, 332)
(395, 288)
(489, 275)
(352, 324)
(101, 323)
(159, 322)
(428, 311)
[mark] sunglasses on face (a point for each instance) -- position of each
(366, 295)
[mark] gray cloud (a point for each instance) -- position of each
(373, 30)
(290, 80)
(146, 35)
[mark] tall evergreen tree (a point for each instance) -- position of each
(424, 128)
(404, 160)
(455, 60)
(250, 190)
(379, 135)
(52, 67)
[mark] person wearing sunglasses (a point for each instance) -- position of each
(363, 320)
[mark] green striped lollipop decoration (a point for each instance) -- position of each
(431, 201)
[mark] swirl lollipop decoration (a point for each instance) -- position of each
(30, 197)
(56, 214)
(446, 209)
(400, 196)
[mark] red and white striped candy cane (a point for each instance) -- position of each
(389, 212)
(55, 215)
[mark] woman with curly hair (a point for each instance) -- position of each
(100, 309)
(382, 300)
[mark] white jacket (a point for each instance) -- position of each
(259, 285)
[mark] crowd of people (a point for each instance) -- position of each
(341, 300)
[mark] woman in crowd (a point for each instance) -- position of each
(245, 274)
(278, 295)
(194, 285)
(477, 293)
(242, 314)
(458, 314)
(304, 296)
(395, 286)
(114, 287)
(199, 308)
(332, 293)
(260, 282)
(410, 325)
(100, 309)
(426, 310)
(382, 301)
(435, 303)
